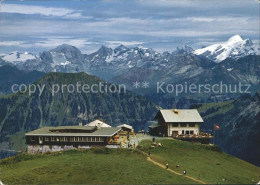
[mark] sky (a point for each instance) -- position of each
(163, 25)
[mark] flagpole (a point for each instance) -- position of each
(214, 135)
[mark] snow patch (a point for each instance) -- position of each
(235, 47)
(18, 57)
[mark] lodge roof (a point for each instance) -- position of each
(74, 131)
(126, 126)
(98, 123)
(180, 115)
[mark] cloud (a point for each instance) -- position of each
(88, 25)
(42, 10)
(11, 43)
(126, 43)
(49, 43)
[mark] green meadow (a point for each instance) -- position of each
(204, 162)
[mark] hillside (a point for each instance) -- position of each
(239, 122)
(21, 112)
(95, 166)
(203, 161)
(121, 166)
(10, 75)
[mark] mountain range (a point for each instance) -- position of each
(108, 63)
(191, 69)
(232, 62)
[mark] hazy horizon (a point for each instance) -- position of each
(36, 26)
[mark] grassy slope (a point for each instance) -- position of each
(199, 159)
(216, 108)
(95, 166)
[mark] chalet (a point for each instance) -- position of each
(173, 122)
(181, 124)
(67, 137)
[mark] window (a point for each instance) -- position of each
(183, 124)
(175, 124)
(182, 132)
(32, 139)
(47, 139)
(191, 132)
(63, 139)
(187, 132)
(52, 138)
(191, 124)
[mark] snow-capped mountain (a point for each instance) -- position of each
(235, 48)
(108, 63)
(17, 57)
(185, 49)
(64, 58)
(123, 65)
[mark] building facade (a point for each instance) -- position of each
(67, 137)
(174, 122)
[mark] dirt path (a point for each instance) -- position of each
(172, 171)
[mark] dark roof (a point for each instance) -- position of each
(74, 131)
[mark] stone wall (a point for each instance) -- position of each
(56, 148)
(50, 148)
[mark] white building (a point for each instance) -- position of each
(172, 122)
(98, 123)
(126, 127)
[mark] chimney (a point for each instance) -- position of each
(175, 111)
(80, 123)
(99, 126)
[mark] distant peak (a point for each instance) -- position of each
(120, 48)
(235, 38)
(188, 48)
(104, 51)
(65, 45)
(65, 48)
(103, 47)
(184, 49)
